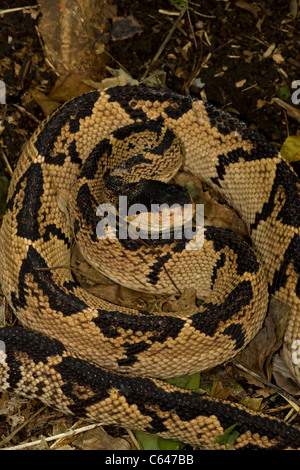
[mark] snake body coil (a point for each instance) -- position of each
(94, 359)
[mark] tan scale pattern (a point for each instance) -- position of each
(97, 331)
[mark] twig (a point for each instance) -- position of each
(291, 110)
(23, 110)
(9, 168)
(18, 428)
(133, 438)
(72, 432)
(192, 30)
(11, 10)
(292, 400)
(50, 268)
(170, 13)
(117, 62)
(167, 39)
(200, 14)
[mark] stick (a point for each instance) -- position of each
(182, 13)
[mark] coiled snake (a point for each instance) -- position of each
(94, 359)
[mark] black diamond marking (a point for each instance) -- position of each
(126, 131)
(57, 232)
(132, 350)
(73, 153)
(177, 246)
(179, 105)
(76, 227)
(10, 202)
(224, 161)
(285, 181)
(148, 395)
(27, 217)
(131, 162)
(59, 300)
(223, 121)
(100, 153)
(237, 334)
(160, 326)
(219, 264)
(151, 126)
(291, 255)
(264, 150)
(209, 320)
(246, 258)
(87, 206)
(156, 268)
(79, 108)
(227, 123)
(37, 346)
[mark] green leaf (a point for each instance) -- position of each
(188, 382)
(180, 3)
(284, 92)
(290, 149)
(228, 436)
(152, 442)
(4, 183)
(168, 444)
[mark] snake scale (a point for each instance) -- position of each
(103, 362)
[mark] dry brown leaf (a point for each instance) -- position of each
(257, 356)
(98, 439)
(68, 86)
(252, 403)
(269, 51)
(125, 297)
(72, 31)
(240, 83)
(260, 103)
(63, 196)
(283, 376)
(259, 23)
(185, 303)
(215, 212)
(48, 105)
(277, 57)
(10, 407)
(86, 275)
(221, 392)
(253, 8)
(124, 28)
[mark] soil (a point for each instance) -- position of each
(221, 43)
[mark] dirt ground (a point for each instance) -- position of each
(241, 56)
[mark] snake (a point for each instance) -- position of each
(100, 361)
